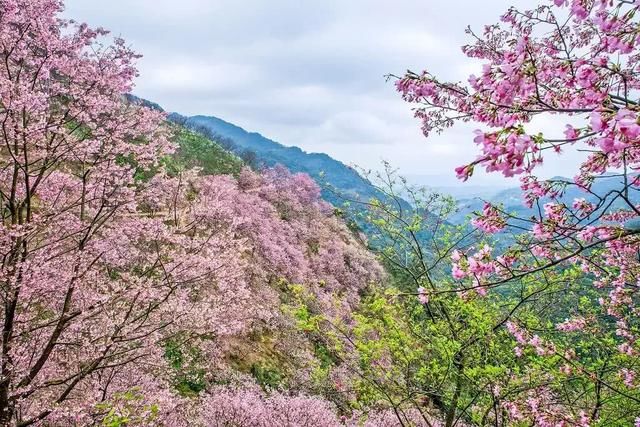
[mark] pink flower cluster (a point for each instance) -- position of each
(572, 325)
(478, 266)
(524, 339)
(491, 220)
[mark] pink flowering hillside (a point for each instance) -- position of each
(124, 299)
(150, 275)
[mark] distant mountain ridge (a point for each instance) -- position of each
(323, 168)
(512, 198)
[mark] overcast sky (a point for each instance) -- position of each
(307, 73)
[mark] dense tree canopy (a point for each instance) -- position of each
(147, 277)
(121, 278)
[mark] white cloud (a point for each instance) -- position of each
(180, 74)
(304, 73)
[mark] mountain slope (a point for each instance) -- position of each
(193, 149)
(319, 166)
(196, 150)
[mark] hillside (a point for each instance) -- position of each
(196, 150)
(319, 166)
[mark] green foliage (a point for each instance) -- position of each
(299, 307)
(324, 355)
(127, 409)
(408, 352)
(188, 365)
(443, 357)
(196, 150)
(269, 377)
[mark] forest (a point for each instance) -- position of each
(154, 272)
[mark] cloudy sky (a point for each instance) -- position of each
(307, 73)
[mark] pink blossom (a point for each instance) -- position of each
(572, 325)
(423, 295)
(571, 132)
(598, 124)
(490, 220)
(628, 377)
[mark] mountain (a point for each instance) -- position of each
(512, 198)
(194, 150)
(254, 147)
(452, 186)
(197, 151)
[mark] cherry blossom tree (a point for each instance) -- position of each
(107, 261)
(93, 281)
(72, 303)
(574, 63)
(249, 407)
